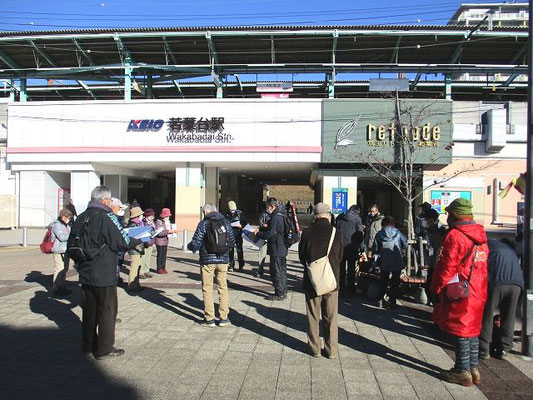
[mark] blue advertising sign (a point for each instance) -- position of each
(339, 200)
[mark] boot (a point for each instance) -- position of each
(476, 376)
(463, 378)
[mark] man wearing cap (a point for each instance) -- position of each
(462, 257)
(424, 208)
(98, 275)
(313, 245)
(236, 219)
(136, 258)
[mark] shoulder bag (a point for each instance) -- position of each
(460, 290)
(321, 274)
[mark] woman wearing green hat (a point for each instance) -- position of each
(463, 258)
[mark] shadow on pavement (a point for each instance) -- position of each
(48, 363)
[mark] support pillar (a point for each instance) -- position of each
(149, 84)
(12, 91)
(448, 86)
(220, 92)
(118, 184)
(331, 85)
(190, 192)
(82, 184)
(23, 91)
(127, 79)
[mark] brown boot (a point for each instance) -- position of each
(476, 376)
(463, 378)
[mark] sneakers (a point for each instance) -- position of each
(208, 324)
(142, 276)
(484, 355)
(463, 378)
(162, 271)
(230, 269)
(275, 297)
(148, 275)
(224, 322)
(476, 376)
(113, 353)
(501, 355)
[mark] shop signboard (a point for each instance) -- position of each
(363, 131)
(440, 199)
(339, 200)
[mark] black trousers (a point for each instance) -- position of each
(505, 298)
(395, 285)
(161, 261)
(278, 274)
(238, 248)
(347, 271)
(99, 305)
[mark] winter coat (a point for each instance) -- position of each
(236, 216)
(388, 245)
(351, 227)
(463, 317)
(274, 233)
(60, 233)
(373, 226)
(151, 225)
(503, 266)
(434, 236)
(314, 245)
(133, 224)
(162, 238)
(106, 234)
(197, 242)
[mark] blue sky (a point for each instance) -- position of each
(16, 15)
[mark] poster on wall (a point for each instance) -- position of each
(440, 199)
(339, 200)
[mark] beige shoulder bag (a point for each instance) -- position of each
(321, 273)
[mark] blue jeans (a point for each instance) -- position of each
(466, 353)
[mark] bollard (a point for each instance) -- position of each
(185, 239)
(25, 236)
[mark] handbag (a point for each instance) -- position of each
(460, 290)
(321, 274)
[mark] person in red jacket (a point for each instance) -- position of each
(464, 250)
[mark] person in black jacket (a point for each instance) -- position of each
(351, 227)
(98, 276)
(236, 219)
(506, 282)
(276, 248)
(314, 245)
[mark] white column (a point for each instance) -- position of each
(190, 192)
(81, 185)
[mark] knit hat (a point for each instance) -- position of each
(65, 213)
(232, 205)
(165, 212)
(321, 208)
(460, 207)
(136, 212)
(149, 212)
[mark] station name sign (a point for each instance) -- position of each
(189, 130)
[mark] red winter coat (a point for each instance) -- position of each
(463, 317)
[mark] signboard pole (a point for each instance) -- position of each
(527, 260)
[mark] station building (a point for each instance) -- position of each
(179, 143)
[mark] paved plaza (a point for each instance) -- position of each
(388, 354)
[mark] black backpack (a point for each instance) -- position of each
(216, 238)
(79, 247)
(290, 236)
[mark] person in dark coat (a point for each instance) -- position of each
(276, 248)
(72, 208)
(388, 246)
(98, 276)
(213, 266)
(506, 282)
(236, 219)
(434, 231)
(351, 227)
(314, 245)
(372, 227)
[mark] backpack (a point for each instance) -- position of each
(79, 247)
(290, 234)
(47, 243)
(216, 238)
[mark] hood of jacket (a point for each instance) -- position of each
(389, 234)
(214, 216)
(348, 216)
(471, 230)
(279, 210)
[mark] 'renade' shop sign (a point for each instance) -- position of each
(362, 131)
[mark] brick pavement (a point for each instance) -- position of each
(382, 354)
